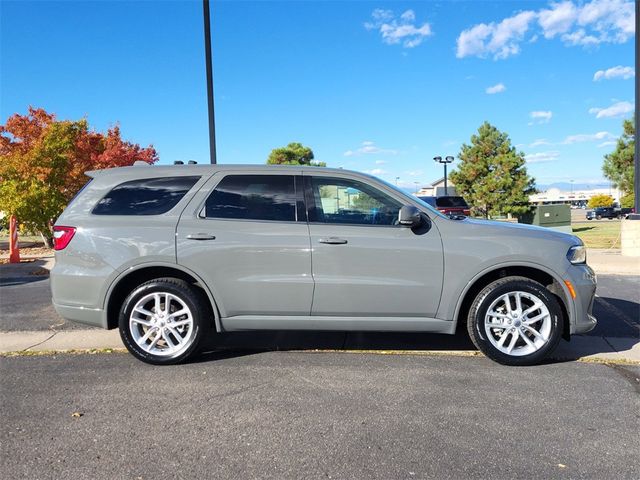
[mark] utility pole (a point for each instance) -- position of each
(209, 67)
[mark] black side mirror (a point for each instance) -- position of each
(409, 216)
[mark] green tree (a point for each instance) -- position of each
(601, 200)
(627, 201)
(618, 165)
(492, 175)
(293, 154)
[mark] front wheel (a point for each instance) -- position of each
(515, 321)
(163, 321)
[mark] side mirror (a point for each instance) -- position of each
(409, 216)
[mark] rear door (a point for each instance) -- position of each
(247, 237)
(364, 263)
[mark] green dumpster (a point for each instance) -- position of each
(557, 217)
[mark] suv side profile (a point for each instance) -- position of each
(173, 254)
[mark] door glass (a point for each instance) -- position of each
(351, 202)
(253, 197)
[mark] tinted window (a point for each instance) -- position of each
(148, 196)
(430, 200)
(451, 202)
(254, 197)
(337, 200)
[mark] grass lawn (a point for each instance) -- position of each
(599, 234)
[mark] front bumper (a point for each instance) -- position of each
(584, 282)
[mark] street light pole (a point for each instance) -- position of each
(209, 68)
(448, 159)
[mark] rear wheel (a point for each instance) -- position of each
(163, 321)
(515, 321)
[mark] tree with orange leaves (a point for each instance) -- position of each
(43, 160)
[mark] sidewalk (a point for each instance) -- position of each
(611, 262)
(581, 347)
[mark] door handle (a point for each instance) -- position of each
(333, 241)
(201, 236)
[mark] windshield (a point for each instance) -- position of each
(451, 202)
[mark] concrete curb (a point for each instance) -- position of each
(581, 347)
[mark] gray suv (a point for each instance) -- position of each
(173, 254)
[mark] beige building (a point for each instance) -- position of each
(436, 189)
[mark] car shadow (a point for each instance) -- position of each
(27, 271)
(237, 344)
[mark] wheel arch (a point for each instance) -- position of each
(538, 273)
(129, 279)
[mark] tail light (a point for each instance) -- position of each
(62, 236)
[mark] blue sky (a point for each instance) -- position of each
(372, 86)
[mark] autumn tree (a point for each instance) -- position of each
(618, 166)
(600, 200)
(492, 175)
(293, 154)
(43, 160)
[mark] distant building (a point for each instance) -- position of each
(577, 197)
(436, 189)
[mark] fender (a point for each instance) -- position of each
(567, 296)
(140, 266)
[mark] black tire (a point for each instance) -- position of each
(193, 299)
(598, 217)
(492, 292)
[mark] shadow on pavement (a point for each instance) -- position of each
(12, 274)
(232, 344)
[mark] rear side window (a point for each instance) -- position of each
(451, 202)
(253, 197)
(147, 196)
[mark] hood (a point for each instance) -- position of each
(516, 229)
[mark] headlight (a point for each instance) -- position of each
(577, 254)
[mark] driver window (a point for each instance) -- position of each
(351, 202)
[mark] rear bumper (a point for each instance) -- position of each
(89, 316)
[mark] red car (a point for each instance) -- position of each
(449, 205)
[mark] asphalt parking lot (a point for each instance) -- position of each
(306, 415)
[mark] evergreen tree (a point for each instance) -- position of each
(492, 175)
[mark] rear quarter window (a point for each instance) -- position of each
(145, 196)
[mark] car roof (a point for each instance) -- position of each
(207, 169)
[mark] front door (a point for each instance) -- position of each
(364, 262)
(247, 237)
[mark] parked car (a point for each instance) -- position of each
(625, 212)
(602, 212)
(449, 205)
(171, 255)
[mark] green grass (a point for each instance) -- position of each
(601, 234)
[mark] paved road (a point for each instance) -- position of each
(27, 306)
(305, 415)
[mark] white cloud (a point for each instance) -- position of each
(399, 30)
(614, 72)
(618, 109)
(377, 171)
(541, 116)
(585, 137)
(542, 157)
(499, 40)
(575, 23)
(539, 142)
(380, 162)
(608, 143)
(415, 173)
(497, 88)
(369, 148)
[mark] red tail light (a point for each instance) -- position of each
(62, 236)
